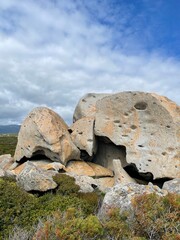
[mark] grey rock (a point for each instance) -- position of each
(172, 186)
(2, 173)
(32, 178)
(6, 161)
(120, 175)
(121, 195)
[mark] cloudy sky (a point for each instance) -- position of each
(52, 52)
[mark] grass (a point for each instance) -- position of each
(8, 143)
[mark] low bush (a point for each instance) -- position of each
(70, 225)
(69, 214)
(23, 210)
(66, 185)
(157, 217)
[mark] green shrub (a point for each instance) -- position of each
(16, 207)
(66, 184)
(116, 225)
(70, 214)
(70, 225)
(157, 217)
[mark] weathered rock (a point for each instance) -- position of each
(2, 172)
(42, 164)
(121, 196)
(100, 171)
(86, 106)
(105, 183)
(86, 183)
(80, 168)
(108, 151)
(87, 169)
(120, 175)
(32, 178)
(147, 125)
(83, 135)
(172, 186)
(89, 184)
(6, 161)
(44, 132)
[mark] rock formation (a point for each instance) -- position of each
(32, 178)
(146, 125)
(172, 186)
(139, 131)
(121, 196)
(44, 132)
(82, 134)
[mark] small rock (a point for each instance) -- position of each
(121, 176)
(6, 161)
(172, 186)
(32, 178)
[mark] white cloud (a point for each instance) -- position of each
(51, 55)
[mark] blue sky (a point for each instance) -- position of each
(53, 52)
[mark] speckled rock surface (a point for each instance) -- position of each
(83, 135)
(86, 106)
(45, 132)
(32, 178)
(147, 125)
(172, 186)
(121, 195)
(120, 175)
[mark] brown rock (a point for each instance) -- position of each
(6, 161)
(86, 106)
(80, 168)
(147, 125)
(44, 132)
(83, 135)
(105, 183)
(100, 171)
(42, 164)
(87, 169)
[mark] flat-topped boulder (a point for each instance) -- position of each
(44, 132)
(88, 169)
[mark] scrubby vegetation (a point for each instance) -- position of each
(69, 215)
(8, 143)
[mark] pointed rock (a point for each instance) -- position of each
(120, 175)
(83, 135)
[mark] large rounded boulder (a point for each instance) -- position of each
(44, 132)
(143, 127)
(147, 125)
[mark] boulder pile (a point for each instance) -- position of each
(115, 139)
